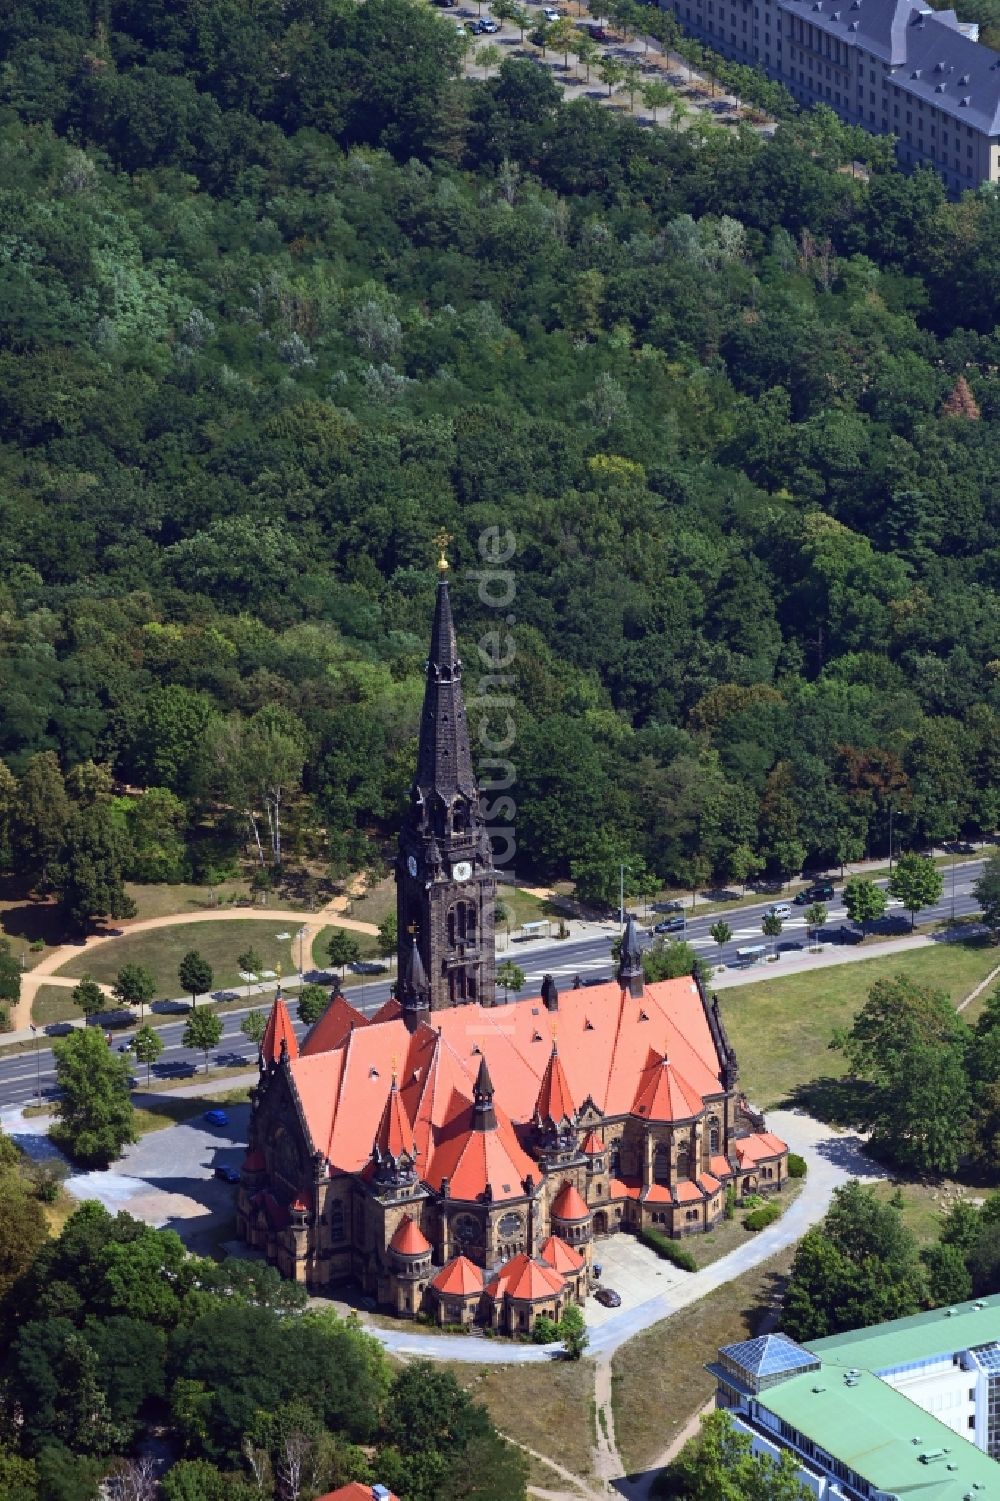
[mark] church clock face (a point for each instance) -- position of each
(462, 871)
(510, 1225)
(411, 865)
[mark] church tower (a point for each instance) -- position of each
(445, 885)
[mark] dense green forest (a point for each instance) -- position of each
(110, 1330)
(282, 296)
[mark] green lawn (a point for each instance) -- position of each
(161, 950)
(658, 1379)
(54, 1003)
(163, 900)
(321, 958)
(781, 1028)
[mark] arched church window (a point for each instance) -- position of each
(661, 1164)
(714, 1136)
(683, 1160)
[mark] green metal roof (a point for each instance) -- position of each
(856, 1417)
(884, 1347)
(871, 1428)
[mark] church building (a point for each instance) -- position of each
(459, 1156)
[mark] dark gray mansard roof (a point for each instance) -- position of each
(931, 58)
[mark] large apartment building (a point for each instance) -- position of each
(907, 1408)
(888, 65)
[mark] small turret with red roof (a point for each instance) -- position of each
(279, 1038)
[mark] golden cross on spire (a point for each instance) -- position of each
(441, 541)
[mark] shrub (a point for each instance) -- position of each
(796, 1165)
(730, 1209)
(758, 1219)
(668, 1250)
(546, 1330)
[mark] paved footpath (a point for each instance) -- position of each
(43, 971)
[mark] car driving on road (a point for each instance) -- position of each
(779, 909)
(821, 892)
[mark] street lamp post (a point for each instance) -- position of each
(891, 812)
(621, 897)
(302, 934)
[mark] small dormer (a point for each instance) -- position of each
(965, 79)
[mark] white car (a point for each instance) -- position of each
(781, 909)
(551, 14)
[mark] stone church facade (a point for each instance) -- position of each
(461, 1157)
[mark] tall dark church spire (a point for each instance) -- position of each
(630, 971)
(445, 885)
(444, 759)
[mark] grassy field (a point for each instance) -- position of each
(730, 1234)
(658, 1378)
(321, 959)
(925, 1205)
(781, 1028)
(376, 903)
(54, 1003)
(548, 1407)
(161, 950)
(161, 900)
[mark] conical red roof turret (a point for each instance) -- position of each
(394, 1137)
(279, 1035)
(555, 1101)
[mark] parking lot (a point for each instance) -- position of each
(168, 1179)
(696, 99)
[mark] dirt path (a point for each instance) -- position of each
(580, 1487)
(608, 1464)
(979, 989)
(44, 971)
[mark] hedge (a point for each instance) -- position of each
(668, 1250)
(796, 1165)
(757, 1219)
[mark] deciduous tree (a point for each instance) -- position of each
(195, 975)
(917, 882)
(94, 1106)
(203, 1032)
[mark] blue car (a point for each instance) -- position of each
(216, 1117)
(227, 1174)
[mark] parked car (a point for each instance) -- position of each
(608, 1298)
(488, 25)
(669, 925)
(551, 14)
(216, 1118)
(674, 906)
(779, 909)
(821, 892)
(227, 1174)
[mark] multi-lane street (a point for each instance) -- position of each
(588, 959)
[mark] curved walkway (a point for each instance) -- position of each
(44, 971)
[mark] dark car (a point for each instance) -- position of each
(227, 1174)
(126, 1046)
(674, 906)
(216, 1117)
(608, 1298)
(669, 925)
(821, 892)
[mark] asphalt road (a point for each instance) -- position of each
(22, 1074)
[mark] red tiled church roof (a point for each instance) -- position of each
(394, 1137)
(279, 1030)
(592, 1144)
(458, 1278)
(604, 1048)
(760, 1147)
(526, 1280)
(554, 1103)
(664, 1095)
(560, 1256)
(409, 1239)
(568, 1204)
(338, 1020)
